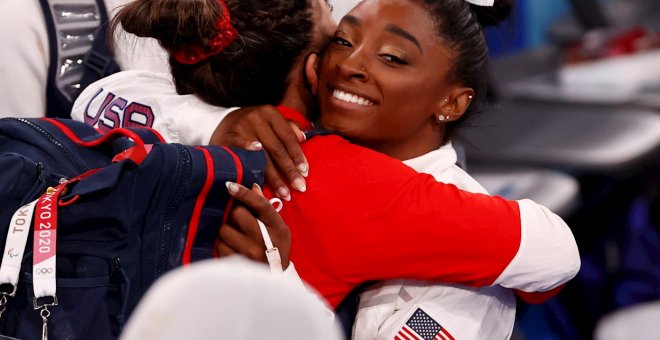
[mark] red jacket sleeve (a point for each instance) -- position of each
(366, 216)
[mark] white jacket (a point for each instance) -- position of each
(465, 313)
(145, 98)
(25, 56)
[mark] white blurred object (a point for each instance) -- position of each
(341, 7)
(134, 53)
(613, 76)
(639, 322)
(231, 298)
(555, 190)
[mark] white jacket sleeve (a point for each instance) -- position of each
(548, 255)
(193, 126)
(24, 59)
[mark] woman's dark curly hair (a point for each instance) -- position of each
(253, 70)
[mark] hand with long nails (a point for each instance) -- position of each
(242, 235)
(264, 128)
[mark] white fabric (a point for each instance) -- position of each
(639, 322)
(292, 275)
(25, 56)
(180, 119)
(542, 233)
(486, 3)
(469, 313)
(24, 59)
(342, 7)
(231, 298)
(466, 313)
(44, 256)
(17, 236)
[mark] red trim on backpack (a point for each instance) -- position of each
(156, 133)
(135, 154)
(138, 152)
(65, 129)
(199, 205)
(239, 179)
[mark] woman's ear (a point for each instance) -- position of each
(455, 103)
(312, 72)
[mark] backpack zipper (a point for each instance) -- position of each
(67, 153)
(182, 178)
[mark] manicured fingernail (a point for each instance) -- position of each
(255, 146)
(232, 187)
(284, 193)
(303, 136)
(259, 191)
(299, 184)
(304, 169)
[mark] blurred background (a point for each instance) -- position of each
(573, 122)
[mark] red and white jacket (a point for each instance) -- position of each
(387, 308)
(366, 216)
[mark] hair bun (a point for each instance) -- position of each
(493, 15)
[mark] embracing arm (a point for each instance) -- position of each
(380, 220)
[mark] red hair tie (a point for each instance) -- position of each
(193, 54)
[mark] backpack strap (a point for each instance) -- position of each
(79, 54)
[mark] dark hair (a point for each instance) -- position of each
(460, 25)
(253, 70)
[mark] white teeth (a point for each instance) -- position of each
(351, 98)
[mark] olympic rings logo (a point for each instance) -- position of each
(44, 271)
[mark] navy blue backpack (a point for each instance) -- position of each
(129, 209)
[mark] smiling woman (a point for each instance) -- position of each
(398, 76)
(396, 56)
(378, 55)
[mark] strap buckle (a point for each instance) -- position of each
(102, 65)
(36, 305)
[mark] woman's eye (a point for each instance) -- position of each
(393, 59)
(341, 42)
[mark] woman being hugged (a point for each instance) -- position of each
(399, 77)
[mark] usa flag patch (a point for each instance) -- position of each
(421, 326)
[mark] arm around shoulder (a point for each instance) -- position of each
(548, 256)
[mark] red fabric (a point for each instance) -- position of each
(137, 154)
(366, 216)
(193, 54)
(538, 297)
(295, 116)
(239, 179)
(199, 205)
